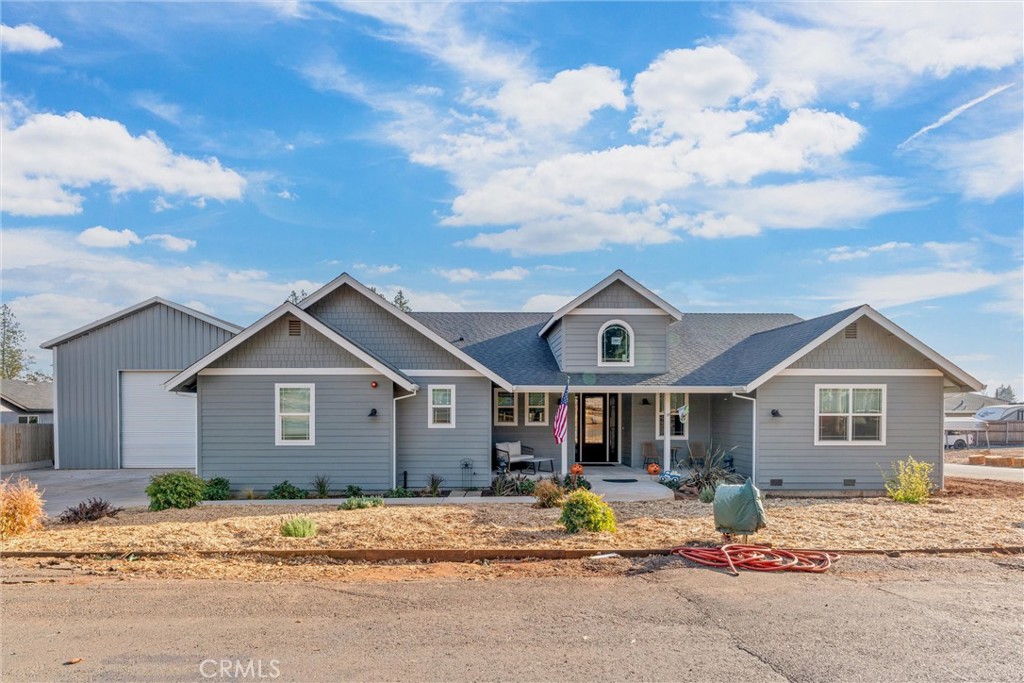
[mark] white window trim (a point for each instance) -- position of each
(278, 441)
(631, 361)
(515, 408)
(659, 417)
(849, 431)
(527, 407)
(27, 419)
(430, 407)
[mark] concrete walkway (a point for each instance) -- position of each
(64, 488)
(985, 472)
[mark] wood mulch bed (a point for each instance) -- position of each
(969, 514)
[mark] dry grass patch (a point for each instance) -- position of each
(947, 521)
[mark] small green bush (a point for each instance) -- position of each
(217, 488)
(399, 493)
(910, 481)
(433, 487)
(322, 486)
(353, 491)
(89, 511)
(571, 482)
(548, 494)
(175, 490)
(707, 494)
(586, 511)
(286, 491)
(525, 486)
(298, 527)
(361, 502)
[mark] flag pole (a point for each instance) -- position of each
(565, 441)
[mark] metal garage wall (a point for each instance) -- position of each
(155, 338)
(158, 427)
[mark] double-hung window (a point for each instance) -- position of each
(536, 408)
(679, 415)
(441, 411)
(849, 414)
(295, 414)
(28, 419)
(506, 410)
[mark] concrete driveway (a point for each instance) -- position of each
(64, 488)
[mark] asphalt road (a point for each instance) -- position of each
(878, 619)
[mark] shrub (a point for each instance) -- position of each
(298, 527)
(571, 482)
(217, 488)
(322, 486)
(503, 485)
(175, 490)
(586, 511)
(286, 491)
(911, 481)
(433, 488)
(21, 507)
(353, 491)
(548, 494)
(399, 493)
(89, 511)
(361, 502)
(707, 494)
(712, 471)
(524, 485)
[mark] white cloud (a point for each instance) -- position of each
(463, 275)
(885, 291)
(99, 236)
(171, 243)
(985, 169)
(285, 194)
(563, 104)
(26, 38)
(711, 225)
(158, 107)
(47, 157)
(546, 303)
(377, 270)
(949, 116)
(845, 253)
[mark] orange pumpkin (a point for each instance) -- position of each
(576, 469)
(653, 469)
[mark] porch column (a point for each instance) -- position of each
(666, 431)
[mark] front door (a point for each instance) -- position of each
(598, 436)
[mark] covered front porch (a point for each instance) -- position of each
(627, 427)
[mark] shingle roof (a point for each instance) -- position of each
(706, 349)
(969, 402)
(29, 396)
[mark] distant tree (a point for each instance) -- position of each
(1005, 393)
(401, 302)
(13, 357)
(296, 297)
(38, 376)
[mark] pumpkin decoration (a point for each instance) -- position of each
(576, 469)
(653, 469)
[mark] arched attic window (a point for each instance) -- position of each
(615, 344)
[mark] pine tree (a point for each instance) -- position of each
(13, 357)
(1005, 393)
(296, 297)
(401, 302)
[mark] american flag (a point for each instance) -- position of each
(562, 416)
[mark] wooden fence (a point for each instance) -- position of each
(1001, 433)
(23, 446)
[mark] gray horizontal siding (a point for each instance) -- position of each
(786, 447)
(380, 331)
(617, 295)
(86, 376)
(423, 451)
(539, 437)
(273, 347)
(236, 432)
(555, 342)
(580, 347)
(874, 348)
(732, 429)
(644, 429)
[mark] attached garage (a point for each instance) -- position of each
(158, 427)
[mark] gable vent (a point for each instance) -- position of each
(851, 331)
(294, 328)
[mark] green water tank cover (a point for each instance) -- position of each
(738, 509)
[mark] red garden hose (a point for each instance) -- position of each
(758, 558)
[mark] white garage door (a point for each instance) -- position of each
(158, 427)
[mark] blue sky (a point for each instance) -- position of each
(797, 158)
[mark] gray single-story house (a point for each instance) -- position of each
(26, 402)
(346, 384)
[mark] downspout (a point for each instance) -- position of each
(753, 445)
(394, 435)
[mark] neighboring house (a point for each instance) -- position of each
(23, 402)
(966, 404)
(346, 384)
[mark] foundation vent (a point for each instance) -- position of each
(851, 331)
(775, 482)
(849, 482)
(294, 328)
